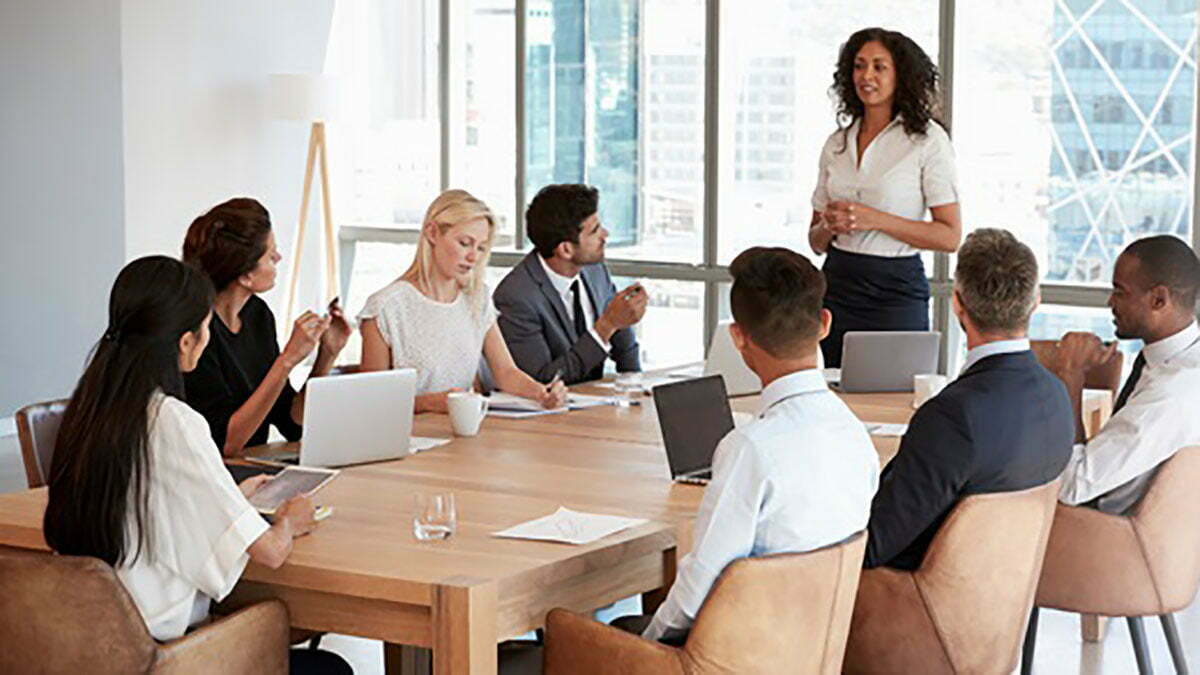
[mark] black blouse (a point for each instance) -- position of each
(232, 367)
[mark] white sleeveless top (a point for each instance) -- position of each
(441, 340)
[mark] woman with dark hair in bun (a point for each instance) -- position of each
(889, 164)
(241, 383)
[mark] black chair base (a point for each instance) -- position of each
(1137, 634)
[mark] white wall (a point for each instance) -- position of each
(61, 187)
(197, 124)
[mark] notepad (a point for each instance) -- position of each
(502, 404)
(886, 429)
(570, 527)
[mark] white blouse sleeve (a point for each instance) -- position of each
(820, 198)
(202, 524)
(374, 309)
(939, 177)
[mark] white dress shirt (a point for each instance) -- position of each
(1158, 419)
(900, 174)
(798, 478)
(563, 286)
(980, 352)
(201, 525)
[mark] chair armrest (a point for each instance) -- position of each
(580, 646)
(251, 640)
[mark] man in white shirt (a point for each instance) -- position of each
(798, 478)
(1155, 286)
(560, 313)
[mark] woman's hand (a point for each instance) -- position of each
(253, 483)
(843, 217)
(306, 332)
(553, 395)
(299, 514)
(334, 339)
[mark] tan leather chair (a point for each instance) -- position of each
(1104, 376)
(37, 429)
(67, 614)
(1144, 564)
(784, 613)
(964, 610)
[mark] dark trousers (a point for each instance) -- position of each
(305, 661)
(870, 292)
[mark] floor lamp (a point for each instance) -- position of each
(310, 98)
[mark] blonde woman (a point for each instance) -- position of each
(438, 316)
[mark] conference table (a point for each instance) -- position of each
(363, 573)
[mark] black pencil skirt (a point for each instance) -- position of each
(870, 292)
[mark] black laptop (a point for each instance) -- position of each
(693, 416)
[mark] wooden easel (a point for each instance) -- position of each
(316, 146)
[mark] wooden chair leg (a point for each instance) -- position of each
(1030, 640)
(1173, 643)
(1141, 650)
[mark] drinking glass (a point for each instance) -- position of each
(434, 516)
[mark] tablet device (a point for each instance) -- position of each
(292, 481)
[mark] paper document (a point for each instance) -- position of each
(570, 527)
(418, 443)
(886, 429)
(581, 401)
(832, 375)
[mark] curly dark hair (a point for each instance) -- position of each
(917, 77)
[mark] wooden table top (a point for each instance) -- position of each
(606, 460)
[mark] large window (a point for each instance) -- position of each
(1073, 123)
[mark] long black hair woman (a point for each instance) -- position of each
(889, 163)
(241, 384)
(135, 479)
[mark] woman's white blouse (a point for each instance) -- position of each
(200, 524)
(441, 340)
(900, 174)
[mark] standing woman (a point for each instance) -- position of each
(888, 164)
(136, 481)
(241, 384)
(438, 316)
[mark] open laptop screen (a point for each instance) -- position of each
(694, 416)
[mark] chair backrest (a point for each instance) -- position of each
(1167, 524)
(68, 614)
(980, 573)
(37, 429)
(778, 613)
(1103, 376)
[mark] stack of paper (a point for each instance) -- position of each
(886, 429)
(570, 527)
(501, 404)
(418, 443)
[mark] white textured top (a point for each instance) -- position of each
(200, 524)
(899, 174)
(441, 340)
(798, 478)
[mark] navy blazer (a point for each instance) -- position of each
(541, 336)
(1005, 424)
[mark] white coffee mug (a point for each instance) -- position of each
(926, 386)
(467, 410)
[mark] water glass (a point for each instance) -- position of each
(627, 386)
(434, 516)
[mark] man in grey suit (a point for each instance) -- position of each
(559, 310)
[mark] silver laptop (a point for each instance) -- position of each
(725, 360)
(693, 416)
(887, 360)
(357, 418)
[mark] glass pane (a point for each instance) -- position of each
(1097, 126)
(590, 120)
(385, 144)
(777, 64)
(489, 141)
(672, 331)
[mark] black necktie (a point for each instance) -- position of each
(1138, 364)
(580, 321)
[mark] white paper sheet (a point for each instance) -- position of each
(418, 443)
(886, 429)
(570, 527)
